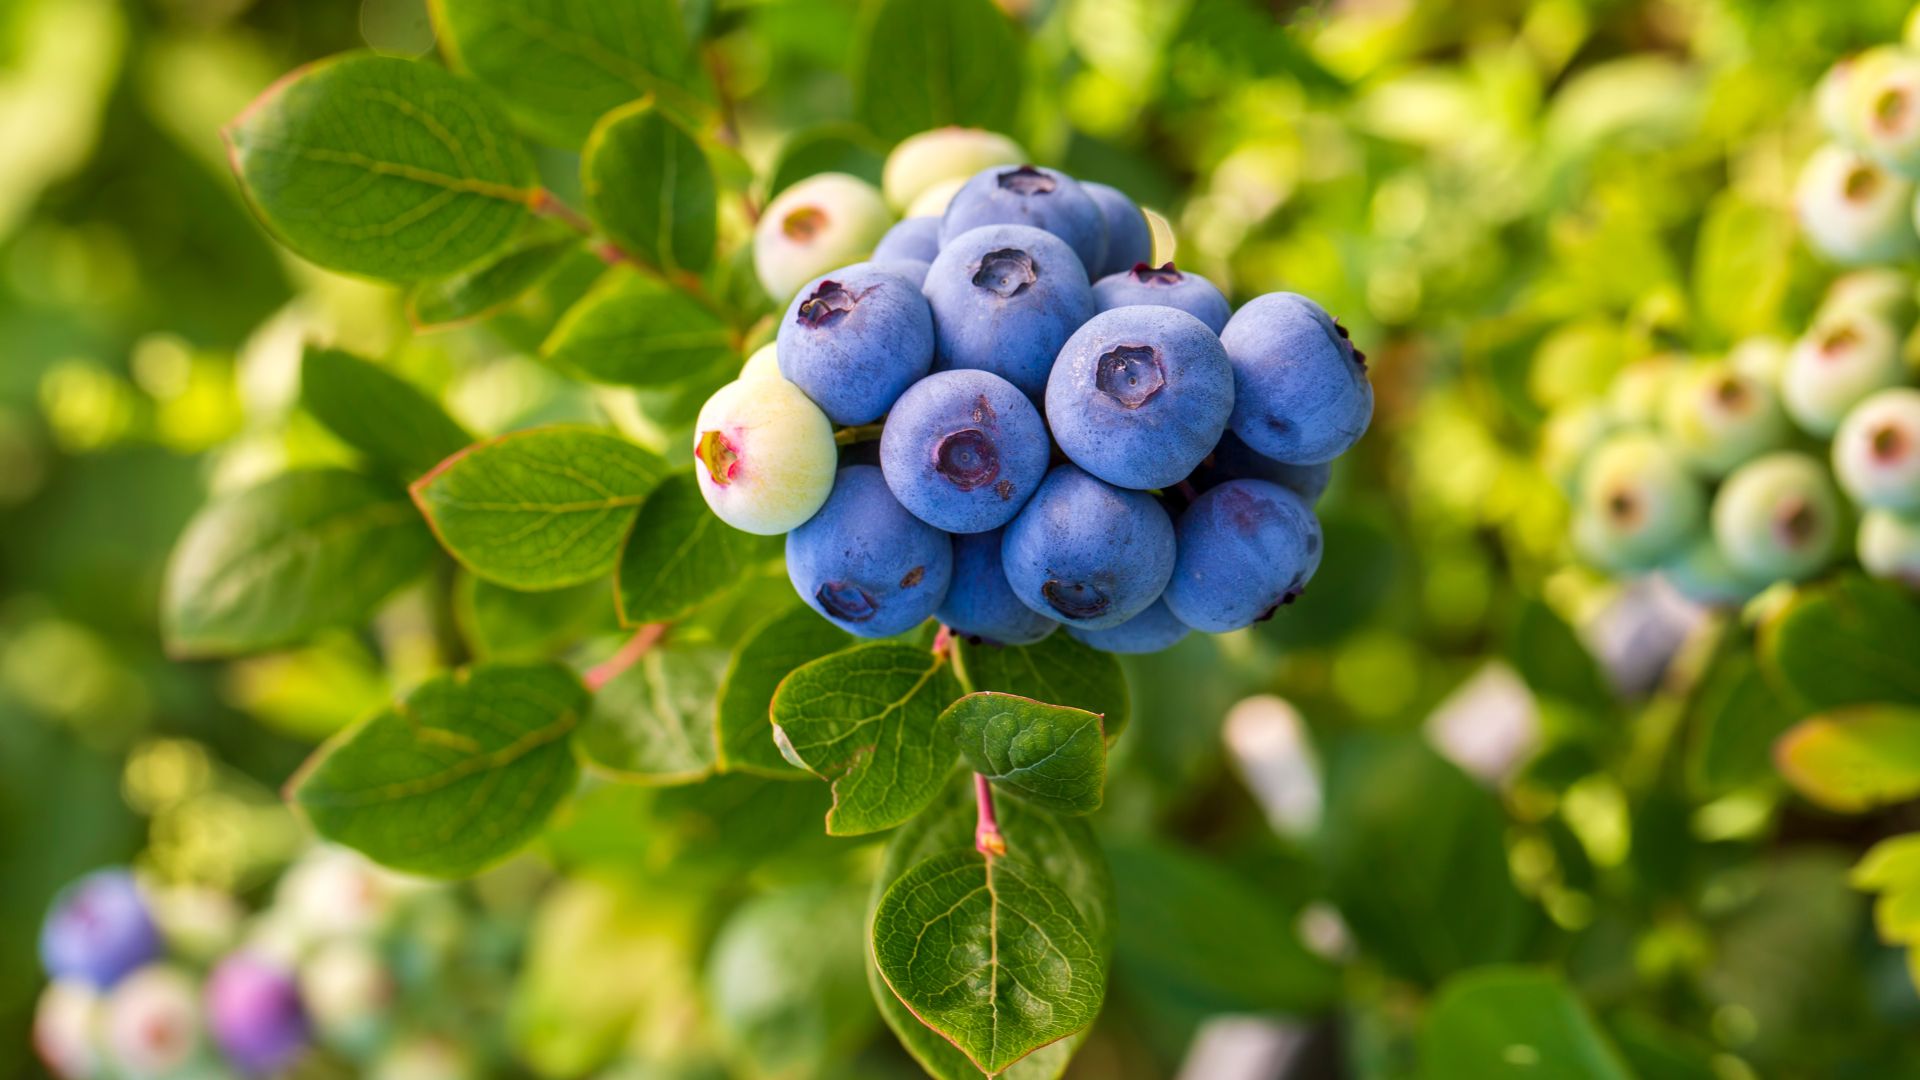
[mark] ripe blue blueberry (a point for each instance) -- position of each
(1235, 460)
(1087, 553)
(1164, 285)
(1140, 395)
(1246, 548)
(916, 238)
(1300, 389)
(854, 340)
(1148, 632)
(1030, 195)
(254, 1012)
(867, 564)
(1004, 299)
(964, 450)
(980, 604)
(98, 930)
(1129, 238)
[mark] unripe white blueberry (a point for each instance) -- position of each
(1837, 364)
(1889, 546)
(66, 1029)
(933, 201)
(1876, 452)
(1566, 438)
(932, 157)
(1640, 389)
(1884, 98)
(1853, 210)
(764, 455)
(346, 988)
(820, 223)
(1638, 505)
(1718, 418)
(1761, 359)
(1877, 291)
(333, 891)
(153, 1022)
(1777, 518)
(423, 1057)
(1832, 97)
(764, 362)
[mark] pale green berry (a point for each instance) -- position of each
(1832, 98)
(1718, 417)
(1566, 438)
(1877, 291)
(1885, 101)
(1639, 505)
(1703, 575)
(1889, 546)
(1762, 359)
(931, 157)
(1640, 389)
(764, 455)
(1777, 518)
(1853, 210)
(933, 201)
(1876, 452)
(762, 364)
(819, 224)
(347, 990)
(152, 1021)
(1838, 363)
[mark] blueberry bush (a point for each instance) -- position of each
(844, 538)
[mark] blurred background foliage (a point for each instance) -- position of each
(1448, 759)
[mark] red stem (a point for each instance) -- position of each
(986, 831)
(637, 646)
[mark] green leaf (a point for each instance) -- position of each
(377, 412)
(653, 722)
(649, 186)
(1063, 848)
(1849, 641)
(1733, 718)
(786, 982)
(769, 654)
(1855, 758)
(1057, 670)
(1053, 755)
(635, 331)
(1188, 926)
(1743, 264)
(539, 509)
(865, 720)
(384, 167)
(1892, 869)
(498, 623)
(485, 289)
(1551, 659)
(842, 148)
(453, 779)
(1415, 860)
(990, 954)
(1514, 1022)
(299, 553)
(679, 556)
(928, 63)
(561, 64)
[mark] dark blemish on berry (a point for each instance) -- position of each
(1130, 374)
(1797, 522)
(914, 577)
(1006, 273)
(1075, 599)
(827, 304)
(967, 458)
(846, 601)
(1623, 507)
(1027, 180)
(1860, 184)
(1890, 443)
(804, 224)
(1359, 357)
(983, 410)
(1244, 509)
(1004, 489)
(1313, 544)
(1162, 275)
(1838, 341)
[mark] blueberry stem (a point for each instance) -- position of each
(986, 832)
(861, 433)
(637, 646)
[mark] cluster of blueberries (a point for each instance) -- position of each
(1730, 474)
(1859, 195)
(1067, 434)
(149, 981)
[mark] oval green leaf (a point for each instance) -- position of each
(1057, 670)
(679, 556)
(1515, 1022)
(1849, 641)
(653, 722)
(929, 63)
(767, 655)
(483, 290)
(636, 331)
(650, 188)
(1854, 759)
(380, 414)
(1052, 755)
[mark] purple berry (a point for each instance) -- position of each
(98, 930)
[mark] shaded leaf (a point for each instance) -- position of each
(635, 331)
(1052, 755)
(453, 779)
(384, 167)
(841, 148)
(1734, 716)
(301, 552)
(679, 555)
(1849, 641)
(928, 63)
(1514, 1022)
(482, 290)
(1552, 660)
(499, 623)
(769, 654)
(649, 186)
(1855, 758)
(864, 719)
(1743, 264)
(653, 722)
(539, 509)
(377, 412)
(990, 954)
(786, 981)
(1057, 670)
